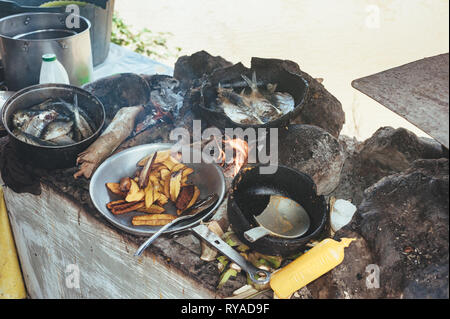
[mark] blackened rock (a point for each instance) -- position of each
(189, 68)
(119, 90)
(387, 152)
(396, 149)
(321, 108)
(312, 151)
(401, 227)
(404, 218)
(404, 221)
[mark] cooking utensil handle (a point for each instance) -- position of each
(149, 241)
(256, 233)
(258, 276)
(194, 210)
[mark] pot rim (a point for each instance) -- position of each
(88, 23)
(29, 89)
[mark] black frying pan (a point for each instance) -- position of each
(250, 195)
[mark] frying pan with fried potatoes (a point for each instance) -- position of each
(208, 178)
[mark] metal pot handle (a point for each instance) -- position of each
(256, 233)
(258, 276)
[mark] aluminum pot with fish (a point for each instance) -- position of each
(52, 123)
(236, 96)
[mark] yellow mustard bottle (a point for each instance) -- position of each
(314, 263)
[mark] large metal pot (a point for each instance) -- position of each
(98, 12)
(25, 37)
(52, 156)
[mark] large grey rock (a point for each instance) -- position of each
(321, 108)
(402, 225)
(189, 68)
(313, 151)
(387, 152)
(395, 149)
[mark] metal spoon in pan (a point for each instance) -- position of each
(282, 217)
(188, 214)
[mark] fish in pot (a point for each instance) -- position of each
(53, 122)
(259, 106)
(50, 124)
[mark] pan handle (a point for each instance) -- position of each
(258, 276)
(256, 233)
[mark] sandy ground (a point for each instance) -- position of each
(336, 40)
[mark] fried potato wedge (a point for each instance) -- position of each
(125, 184)
(162, 200)
(135, 194)
(122, 207)
(152, 220)
(187, 171)
(175, 185)
(178, 167)
(170, 162)
(144, 176)
(185, 197)
(149, 198)
(161, 157)
(153, 209)
(115, 189)
(110, 205)
(194, 197)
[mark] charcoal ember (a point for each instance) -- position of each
(313, 151)
(404, 220)
(387, 152)
(321, 108)
(189, 68)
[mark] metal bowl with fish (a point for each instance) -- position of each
(262, 96)
(52, 123)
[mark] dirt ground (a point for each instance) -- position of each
(338, 41)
